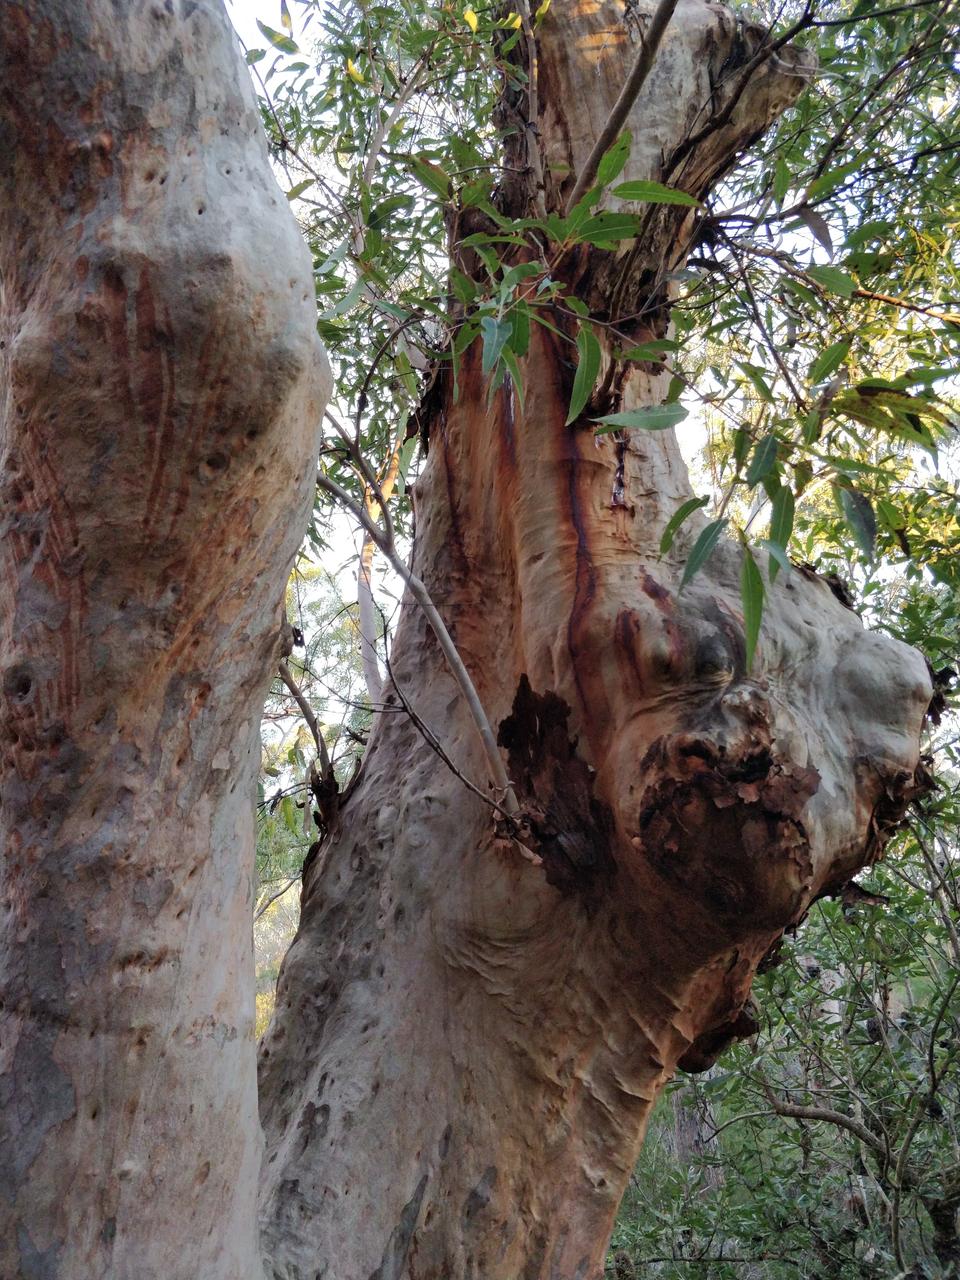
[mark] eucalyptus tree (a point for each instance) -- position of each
(617, 751)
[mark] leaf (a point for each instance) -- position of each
(833, 280)
(513, 367)
(432, 176)
(300, 188)
(781, 180)
(588, 366)
(656, 417)
(607, 229)
(650, 350)
(470, 18)
(352, 71)
(817, 223)
(781, 525)
(495, 335)
(702, 549)
(757, 380)
(654, 193)
(829, 181)
(677, 519)
(613, 160)
(285, 20)
(830, 360)
(255, 55)
(778, 558)
(751, 597)
(278, 39)
(763, 459)
(858, 514)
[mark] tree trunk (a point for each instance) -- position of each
(467, 1044)
(161, 388)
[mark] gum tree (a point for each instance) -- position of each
(598, 787)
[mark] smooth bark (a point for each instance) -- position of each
(467, 1045)
(161, 388)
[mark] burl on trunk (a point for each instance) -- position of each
(467, 1044)
(160, 397)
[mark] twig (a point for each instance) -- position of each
(274, 896)
(383, 537)
(649, 44)
(308, 715)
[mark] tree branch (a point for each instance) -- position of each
(650, 43)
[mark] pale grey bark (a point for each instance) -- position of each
(161, 389)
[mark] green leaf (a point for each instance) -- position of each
(781, 524)
(751, 596)
(255, 55)
(607, 229)
(496, 333)
(833, 178)
(778, 558)
(278, 39)
(858, 514)
(677, 519)
(781, 180)
(433, 177)
(612, 162)
(513, 367)
(650, 350)
(829, 361)
(764, 457)
(702, 549)
(654, 418)
(588, 366)
(757, 380)
(833, 280)
(654, 193)
(300, 188)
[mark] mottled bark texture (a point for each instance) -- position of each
(160, 392)
(467, 1045)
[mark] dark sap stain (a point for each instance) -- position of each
(398, 1246)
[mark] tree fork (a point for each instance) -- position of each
(161, 389)
(466, 1044)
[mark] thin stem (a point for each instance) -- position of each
(650, 42)
(308, 715)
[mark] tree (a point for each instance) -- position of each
(504, 952)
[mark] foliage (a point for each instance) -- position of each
(816, 333)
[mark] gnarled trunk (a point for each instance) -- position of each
(467, 1043)
(160, 394)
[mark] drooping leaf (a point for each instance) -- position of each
(496, 333)
(751, 597)
(764, 457)
(833, 280)
(654, 193)
(817, 223)
(830, 360)
(781, 525)
(653, 418)
(278, 39)
(588, 366)
(613, 160)
(703, 549)
(677, 519)
(858, 514)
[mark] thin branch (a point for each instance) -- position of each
(309, 716)
(383, 537)
(650, 43)
(274, 896)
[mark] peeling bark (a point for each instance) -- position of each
(467, 1044)
(161, 388)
